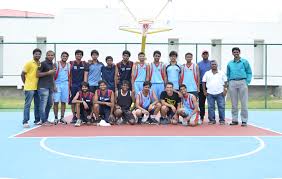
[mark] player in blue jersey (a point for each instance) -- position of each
(190, 75)
(140, 73)
(157, 74)
(173, 70)
(190, 109)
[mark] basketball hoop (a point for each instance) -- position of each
(146, 24)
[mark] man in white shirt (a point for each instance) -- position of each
(215, 88)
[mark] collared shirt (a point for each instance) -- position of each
(237, 70)
(31, 80)
(214, 82)
(204, 66)
(48, 80)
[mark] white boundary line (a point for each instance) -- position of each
(259, 148)
(266, 129)
(23, 131)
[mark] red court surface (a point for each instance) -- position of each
(146, 130)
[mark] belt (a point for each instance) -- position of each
(238, 79)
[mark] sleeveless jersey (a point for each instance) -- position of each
(145, 101)
(189, 77)
(157, 73)
(124, 101)
(140, 72)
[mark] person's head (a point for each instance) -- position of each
(125, 55)
(78, 54)
(141, 56)
(236, 52)
(188, 57)
(64, 56)
(183, 89)
(146, 86)
(125, 85)
(169, 87)
(205, 55)
(102, 85)
(109, 60)
(173, 56)
(157, 55)
(50, 55)
(94, 54)
(84, 87)
(36, 54)
(213, 65)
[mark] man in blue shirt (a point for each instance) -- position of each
(108, 73)
(93, 71)
(239, 75)
(173, 70)
(204, 66)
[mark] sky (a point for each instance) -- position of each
(178, 10)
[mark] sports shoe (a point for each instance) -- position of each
(154, 121)
(56, 121)
(221, 122)
(74, 118)
(26, 125)
(139, 120)
(78, 123)
(39, 123)
(212, 122)
(63, 121)
(164, 120)
(200, 121)
(244, 124)
(103, 123)
(233, 123)
(120, 121)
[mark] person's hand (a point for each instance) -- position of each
(173, 108)
(145, 112)
(224, 91)
(51, 72)
(205, 93)
(108, 104)
(85, 105)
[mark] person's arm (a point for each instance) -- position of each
(164, 71)
(133, 76)
(196, 105)
(204, 81)
(138, 104)
(42, 74)
(225, 84)
(248, 72)
(154, 97)
(116, 77)
(181, 74)
(86, 72)
(228, 72)
(198, 77)
(75, 99)
(112, 103)
(147, 72)
(23, 76)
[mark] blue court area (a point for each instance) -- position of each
(139, 157)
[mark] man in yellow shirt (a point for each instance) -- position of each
(30, 81)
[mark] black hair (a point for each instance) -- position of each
(141, 53)
(85, 84)
(236, 48)
(36, 50)
(109, 57)
(126, 52)
(65, 53)
(169, 83)
(125, 82)
(102, 81)
(78, 51)
(189, 53)
(181, 86)
(157, 52)
(146, 83)
(173, 53)
(94, 51)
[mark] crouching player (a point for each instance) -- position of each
(147, 104)
(84, 105)
(104, 103)
(124, 100)
(190, 108)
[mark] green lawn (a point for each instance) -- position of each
(272, 103)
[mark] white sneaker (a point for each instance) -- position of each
(200, 122)
(26, 125)
(103, 123)
(78, 123)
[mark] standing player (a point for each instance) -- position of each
(93, 71)
(123, 70)
(170, 104)
(84, 105)
(124, 100)
(30, 81)
(76, 78)
(140, 73)
(173, 70)
(61, 92)
(157, 74)
(190, 109)
(147, 104)
(190, 75)
(108, 73)
(104, 103)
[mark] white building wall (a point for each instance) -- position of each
(101, 25)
